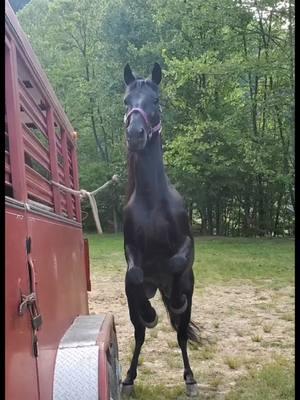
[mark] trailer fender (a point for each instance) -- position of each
(87, 365)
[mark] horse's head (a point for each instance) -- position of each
(142, 117)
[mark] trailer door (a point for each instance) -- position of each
(21, 380)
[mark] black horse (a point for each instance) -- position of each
(158, 244)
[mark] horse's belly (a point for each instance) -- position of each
(157, 281)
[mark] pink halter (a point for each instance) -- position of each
(156, 128)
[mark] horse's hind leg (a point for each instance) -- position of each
(182, 338)
(181, 324)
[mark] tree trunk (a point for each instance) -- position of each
(115, 219)
(292, 74)
(246, 230)
(277, 215)
(239, 221)
(210, 220)
(218, 218)
(261, 208)
(204, 221)
(91, 100)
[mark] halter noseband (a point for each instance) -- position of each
(151, 129)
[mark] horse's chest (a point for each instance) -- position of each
(154, 229)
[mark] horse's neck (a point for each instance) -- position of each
(149, 174)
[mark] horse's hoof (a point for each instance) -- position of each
(150, 325)
(126, 390)
(192, 389)
(182, 309)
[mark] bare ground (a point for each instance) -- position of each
(242, 327)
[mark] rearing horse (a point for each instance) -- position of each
(158, 243)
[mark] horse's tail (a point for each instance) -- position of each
(193, 331)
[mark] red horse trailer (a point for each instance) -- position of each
(54, 349)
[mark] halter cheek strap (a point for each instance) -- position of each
(152, 129)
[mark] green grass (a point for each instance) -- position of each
(262, 262)
(225, 259)
(273, 382)
(268, 262)
(106, 253)
(158, 392)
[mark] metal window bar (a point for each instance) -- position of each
(36, 153)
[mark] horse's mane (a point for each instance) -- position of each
(130, 170)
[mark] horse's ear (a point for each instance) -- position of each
(156, 74)
(128, 75)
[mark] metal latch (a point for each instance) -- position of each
(25, 302)
(29, 302)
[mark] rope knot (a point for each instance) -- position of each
(83, 194)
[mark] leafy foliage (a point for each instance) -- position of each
(227, 96)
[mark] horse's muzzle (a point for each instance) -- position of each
(136, 141)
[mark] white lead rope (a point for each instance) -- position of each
(84, 194)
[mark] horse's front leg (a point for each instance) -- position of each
(178, 265)
(135, 293)
(141, 313)
(139, 336)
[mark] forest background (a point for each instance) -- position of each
(227, 97)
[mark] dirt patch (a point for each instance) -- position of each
(242, 327)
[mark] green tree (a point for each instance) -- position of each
(227, 96)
